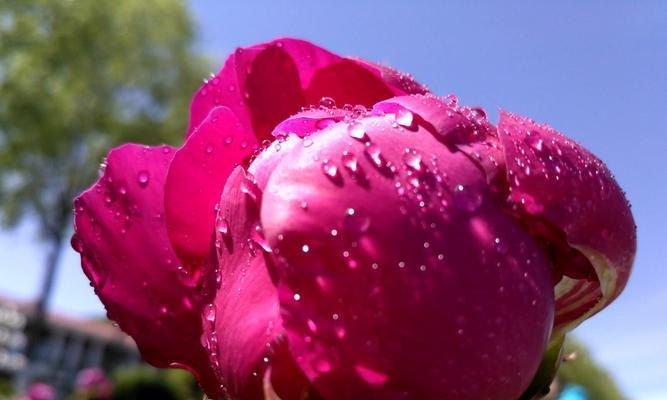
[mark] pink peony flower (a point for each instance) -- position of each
(39, 391)
(331, 229)
(94, 383)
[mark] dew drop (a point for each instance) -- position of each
(210, 312)
(375, 155)
(356, 130)
(209, 149)
(249, 188)
(534, 140)
(404, 117)
(350, 162)
(305, 248)
(222, 226)
(413, 159)
(296, 297)
(330, 170)
(327, 102)
(143, 177)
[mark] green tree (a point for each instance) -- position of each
(144, 382)
(584, 371)
(77, 77)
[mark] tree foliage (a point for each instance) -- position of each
(77, 77)
(584, 371)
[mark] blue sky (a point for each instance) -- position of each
(596, 71)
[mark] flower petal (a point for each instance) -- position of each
(465, 128)
(388, 275)
(242, 317)
(266, 83)
(573, 194)
(195, 180)
(126, 254)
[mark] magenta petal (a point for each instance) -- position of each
(307, 122)
(557, 180)
(242, 318)
(390, 259)
(266, 83)
(195, 181)
(126, 254)
(465, 128)
(399, 82)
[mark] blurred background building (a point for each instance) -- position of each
(60, 347)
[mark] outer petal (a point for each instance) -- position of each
(195, 181)
(126, 254)
(388, 274)
(242, 318)
(266, 83)
(561, 184)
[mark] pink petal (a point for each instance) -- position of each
(126, 254)
(400, 82)
(465, 128)
(242, 318)
(581, 210)
(195, 181)
(306, 122)
(266, 83)
(387, 278)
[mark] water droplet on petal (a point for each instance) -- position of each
(327, 102)
(330, 170)
(413, 159)
(249, 187)
(143, 177)
(350, 162)
(258, 237)
(375, 155)
(534, 140)
(209, 149)
(305, 248)
(356, 130)
(404, 117)
(210, 312)
(222, 226)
